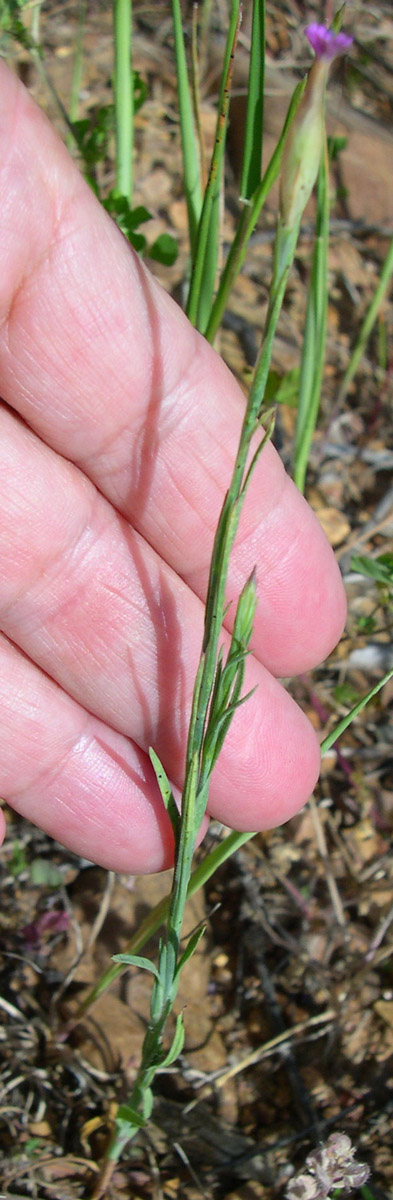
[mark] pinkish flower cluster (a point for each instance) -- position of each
(331, 1166)
(326, 44)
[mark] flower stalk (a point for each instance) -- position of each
(124, 96)
(218, 686)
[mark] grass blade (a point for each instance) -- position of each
(369, 321)
(124, 97)
(247, 223)
(205, 260)
(191, 166)
(313, 355)
(253, 137)
(342, 725)
(196, 98)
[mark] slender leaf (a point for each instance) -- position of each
(166, 791)
(343, 724)
(191, 165)
(177, 1044)
(248, 220)
(135, 960)
(196, 99)
(130, 1116)
(206, 253)
(190, 949)
(380, 568)
(124, 96)
(313, 354)
(253, 135)
(369, 320)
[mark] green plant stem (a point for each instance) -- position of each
(253, 135)
(205, 258)
(204, 27)
(347, 720)
(247, 223)
(158, 915)
(313, 356)
(195, 793)
(203, 872)
(124, 97)
(369, 320)
(196, 99)
(191, 165)
(35, 21)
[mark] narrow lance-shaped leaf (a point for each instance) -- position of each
(124, 96)
(380, 568)
(191, 166)
(253, 136)
(342, 725)
(313, 354)
(248, 220)
(205, 259)
(177, 1044)
(214, 747)
(190, 949)
(369, 320)
(130, 1116)
(166, 791)
(136, 960)
(229, 679)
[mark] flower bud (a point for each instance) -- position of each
(304, 143)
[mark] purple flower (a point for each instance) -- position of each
(326, 44)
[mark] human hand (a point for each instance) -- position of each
(119, 427)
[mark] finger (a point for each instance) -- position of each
(104, 366)
(81, 782)
(92, 604)
(84, 784)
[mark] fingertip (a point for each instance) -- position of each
(3, 827)
(271, 766)
(302, 610)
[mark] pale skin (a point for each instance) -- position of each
(119, 426)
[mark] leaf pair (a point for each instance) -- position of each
(226, 694)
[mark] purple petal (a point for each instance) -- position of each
(325, 43)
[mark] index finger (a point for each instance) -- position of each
(103, 365)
